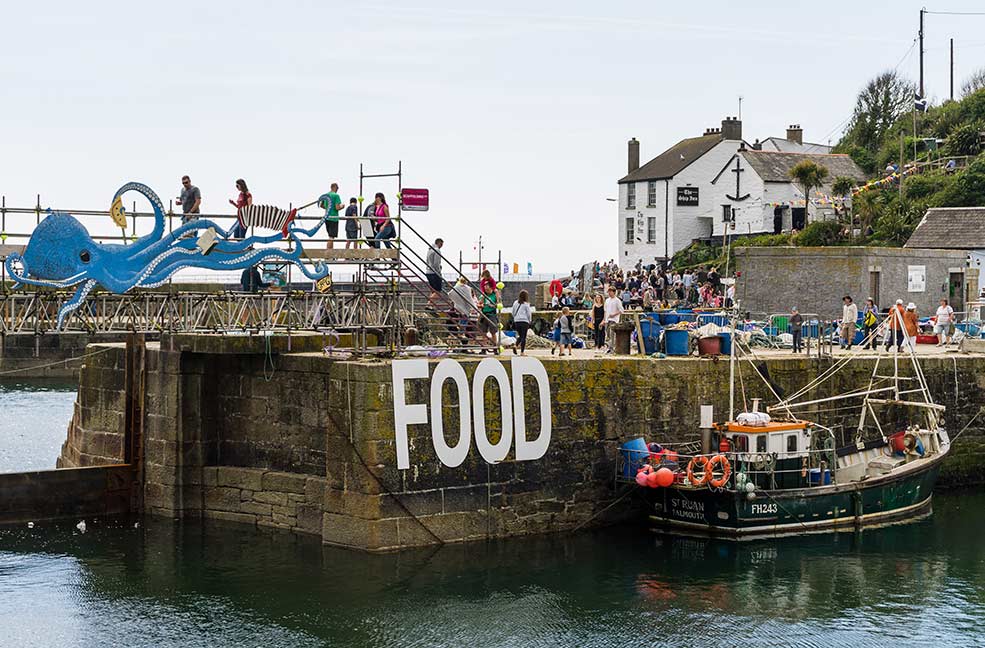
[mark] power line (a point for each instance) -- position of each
(955, 13)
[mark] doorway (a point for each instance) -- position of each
(778, 220)
(955, 291)
(799, 217)
(874, 286)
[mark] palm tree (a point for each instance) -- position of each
(842, 186)
(809, 175)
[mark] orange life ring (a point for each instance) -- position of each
(705, 473)
(726, 467)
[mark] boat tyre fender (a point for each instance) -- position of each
(701, 462)
(759, 460)
(721, 462)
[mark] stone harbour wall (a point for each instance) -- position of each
(303, 442)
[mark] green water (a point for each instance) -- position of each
(162, 583)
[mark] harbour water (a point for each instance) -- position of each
(162, 583)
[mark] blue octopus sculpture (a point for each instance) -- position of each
(62, 254)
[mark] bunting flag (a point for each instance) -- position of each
(506, 268)
(890, 179)
(516, 268)
(530, 268)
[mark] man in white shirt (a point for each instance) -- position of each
(613, 309)
(942, 327)
(849, 314)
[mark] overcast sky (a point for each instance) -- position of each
(515, 115)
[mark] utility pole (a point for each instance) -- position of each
(952, 69)
(923, 10)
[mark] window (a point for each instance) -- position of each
(651, 193)
(741, 443)
(651, 230)
(761, 443)
(631, 195)
(629, 229)
(791, 443)
(727, 214)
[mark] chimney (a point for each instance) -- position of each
(731, 128)
(795, 133)
(634, 155)
(757, 145)
(713, 131)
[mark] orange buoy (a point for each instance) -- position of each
(652, 480)
(701, 462)
(719, 461)
(664, 477)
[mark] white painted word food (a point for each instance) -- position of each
(513, 409)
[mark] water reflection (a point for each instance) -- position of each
(193, 584)
(35, 419)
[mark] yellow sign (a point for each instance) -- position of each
(118, 213)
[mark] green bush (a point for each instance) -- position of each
(820, 233)
(917, 187)
(963, 140)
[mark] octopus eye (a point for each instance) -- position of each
(84, 256)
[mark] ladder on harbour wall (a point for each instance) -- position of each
(388, 295)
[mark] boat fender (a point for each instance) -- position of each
(722, 462)
(642, 474)
(803, 468)
(701, 462)
(759, 460)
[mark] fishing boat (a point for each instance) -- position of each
(769, 472)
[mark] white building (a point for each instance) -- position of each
(702, 185)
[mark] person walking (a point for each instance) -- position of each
(942, 326)
(797, 329)
(331, 203)
(870, 321)
(352, 225)
(433, 271)
(911, 325)
(613, 310)
(488, 318)
(190, 199)
(522, 316)
(384, 225)
(245, 199)
(849, 315)
(895, 333)
(598, 320)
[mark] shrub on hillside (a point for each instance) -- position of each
(820, 233)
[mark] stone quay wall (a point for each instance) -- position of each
(304, 442)
(48, 355)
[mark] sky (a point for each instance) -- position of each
(515, 115)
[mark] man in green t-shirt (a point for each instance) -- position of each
(332, 204)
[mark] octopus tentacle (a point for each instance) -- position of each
(77, 299)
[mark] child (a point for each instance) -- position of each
(566, 329)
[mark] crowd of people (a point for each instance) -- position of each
(902, 324)
(375, 226)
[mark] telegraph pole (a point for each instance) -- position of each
(923, 10)
(952, 69)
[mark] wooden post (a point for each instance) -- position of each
(639, 334)
(135, 386)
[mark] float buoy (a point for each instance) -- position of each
(664, 477)
(719, 461)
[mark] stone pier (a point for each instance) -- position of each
(286, 437)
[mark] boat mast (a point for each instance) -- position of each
(731, 364)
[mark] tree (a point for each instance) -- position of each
(808, 174)
(974, 83)
(880, 103)
(868, 206)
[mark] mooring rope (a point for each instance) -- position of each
(59, 362)
(376, 477)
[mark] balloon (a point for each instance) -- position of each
(664, 477)
(651, 480)
(641, 478)
(501, 285)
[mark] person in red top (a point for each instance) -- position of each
(244, 199)
(895, 332)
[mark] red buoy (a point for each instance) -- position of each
(664, 477)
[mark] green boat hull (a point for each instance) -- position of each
(885, 499)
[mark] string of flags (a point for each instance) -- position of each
(890, 179)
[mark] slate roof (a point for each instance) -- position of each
(775, 167)
(789, 146)
(953, 228)
(675, 159)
